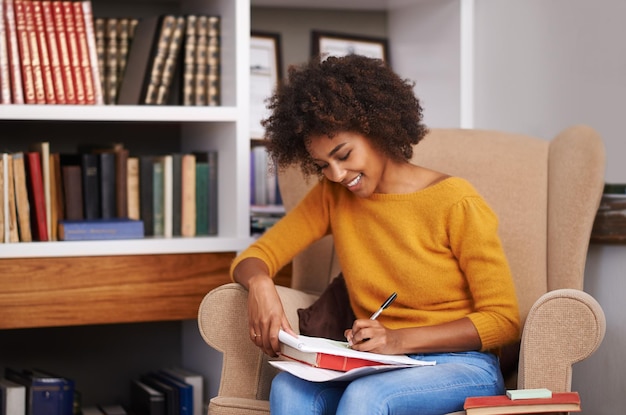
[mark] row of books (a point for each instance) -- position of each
(173, 60)
(55, 52)
(609, 225)
(48, 53)
(265, 199)
(105, 193)
(171, 391)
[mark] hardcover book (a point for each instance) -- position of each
(14, 397)
(501, 404)
(146, 400)
(22, 203)
(195, 380)
(100, 229)
(36, 193)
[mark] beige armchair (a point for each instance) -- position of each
(545, 193)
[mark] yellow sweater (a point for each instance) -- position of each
(437, 248)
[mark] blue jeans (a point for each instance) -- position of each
(425, 390)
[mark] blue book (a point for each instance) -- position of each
(46, 394)
(100, 229)
(185, 392)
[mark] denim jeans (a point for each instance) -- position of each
(425, 390)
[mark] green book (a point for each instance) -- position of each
(202, 197)
(158, 198)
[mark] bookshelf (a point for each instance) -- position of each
(90, 288)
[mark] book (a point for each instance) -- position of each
(158, 197)
(91, 410)
(171, 393)
(121, 182)
(171, 62)
(69, 81)
(13, 234)
(132, 188)
(57, 207)
(4, 198)
(5, 79)
(335, 355)
(213, 63)
(111, 79)
(515, 394)
(195, 380)
(99, 25)
(200, 61)
(73, 191)
(14, 397)
(100, 229)
(145, 399)
(53, 52)
(184, 392)
(146, 190)
(35, 53)
(22, 203)
(107, 178)
(188, 195)
(91, 185)
(86, 42)
(36, 196)
(44, 52)
(501, 404)
(28, 80)
(17, 92)
(168, 196)
(207, 192)
(73, 48)
(189, 59)
(43, 148)
(113, 409)
(45, 394)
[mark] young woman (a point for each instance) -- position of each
(397, 227)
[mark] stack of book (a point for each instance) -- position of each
(173, 60)
(55, 52)
(48, 53)
(105, 193)
(610, 222)
(169, 391)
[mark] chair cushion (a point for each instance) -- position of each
(330, 315)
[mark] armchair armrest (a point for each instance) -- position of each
(246, 375)
(563, 327)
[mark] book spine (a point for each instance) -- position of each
(188, 195)
(91, 186)
(106, 173)
(176, 194)
(121, 183)
(13, 231)
(22, 204)
(73, 195)
(171, 62)
(64, 52)
(200, 61)
(35, 55)
(37, 196)
(24, 53)
(168, 24)
(213, 61)
(189, 60)
(146, 201)
(99, 25)
(91, 50)
(132, 184)
(4, 198)
(73, 49)
(212, 194)
(53, 51)
(202, 195)
(17, 91)
(57, 210)
(123, 42)
(5, 79)
(158, 198)
(342, 363)
(44, 53)
(84, 57)
(168, 196)
(100, 230)
(110, 58)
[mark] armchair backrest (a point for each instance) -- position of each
(545, 193)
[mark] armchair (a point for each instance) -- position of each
(545, 193)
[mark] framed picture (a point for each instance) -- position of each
(265, 73)
(339, 44)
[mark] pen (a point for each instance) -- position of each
(386, 304)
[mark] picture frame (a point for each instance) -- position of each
(341, 44)
(265, 73)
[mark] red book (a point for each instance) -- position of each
(83, 52)
(35, 53)
(64, 52)
(5, 79)
(74, 52)
(501, 404)
(44, 54)
(28, 80)
(324, 360)
(53, 52)
(17, 91)
(36, 194)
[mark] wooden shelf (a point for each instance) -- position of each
(49, 292)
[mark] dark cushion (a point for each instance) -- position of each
(330, 315)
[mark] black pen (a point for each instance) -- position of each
(386, 304)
